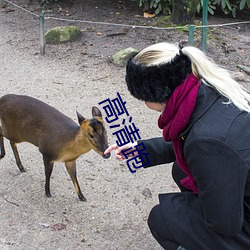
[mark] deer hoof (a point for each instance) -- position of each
(82, 198)
(48, 195)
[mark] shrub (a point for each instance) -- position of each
(157, 6)
(165, 6)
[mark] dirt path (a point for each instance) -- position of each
(75, 77)
(115, 214)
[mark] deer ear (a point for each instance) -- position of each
(96, 112)
(80, 118)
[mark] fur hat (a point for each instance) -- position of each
(156, 83)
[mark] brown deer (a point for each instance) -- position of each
(59, 138)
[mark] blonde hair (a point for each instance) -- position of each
(202, 67)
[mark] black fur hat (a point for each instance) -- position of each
(156, 83)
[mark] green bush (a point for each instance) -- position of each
(211, 7)
(165, 6)
(156, 6)
(232, 6)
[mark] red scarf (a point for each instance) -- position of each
(174, 119)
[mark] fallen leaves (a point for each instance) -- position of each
(58, 227)
(148, 15)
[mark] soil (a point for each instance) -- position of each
(77, 76)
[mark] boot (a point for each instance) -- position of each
(181, 248)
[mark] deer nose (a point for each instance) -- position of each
(106, 156)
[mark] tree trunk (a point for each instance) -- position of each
(183, 11)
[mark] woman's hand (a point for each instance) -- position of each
(118, 150)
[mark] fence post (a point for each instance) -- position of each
(204, 24)
(42, 31)
(191, 35)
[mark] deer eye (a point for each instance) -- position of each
(91, 136)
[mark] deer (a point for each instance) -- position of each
(58, 138)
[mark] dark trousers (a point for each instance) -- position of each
(156, 222)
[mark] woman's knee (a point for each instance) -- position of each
(154, 217)
(159, 229)
(156, 223)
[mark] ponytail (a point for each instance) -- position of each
(218, 78)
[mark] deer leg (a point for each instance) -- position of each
(18, 161)
(71, 168)
(48, 165)
(1, 144)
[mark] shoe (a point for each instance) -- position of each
(181, 248)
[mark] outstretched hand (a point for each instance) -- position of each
(118, 150)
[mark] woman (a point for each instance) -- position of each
(205, 118)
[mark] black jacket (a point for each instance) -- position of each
(216, 145)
